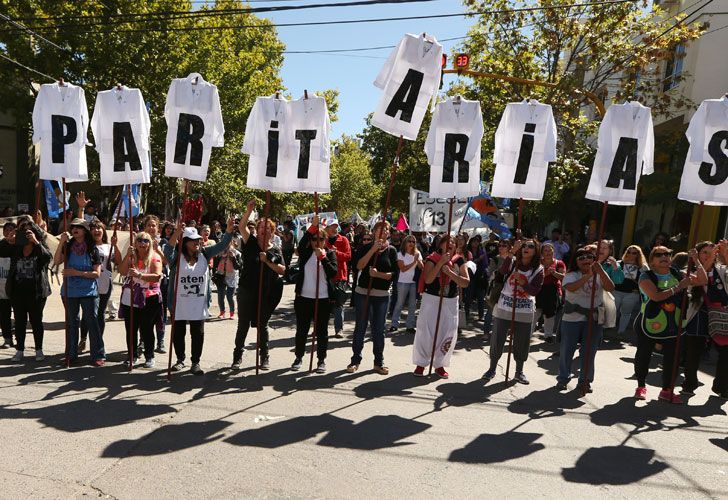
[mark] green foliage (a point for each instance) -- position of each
(352, 187)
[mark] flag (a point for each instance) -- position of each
(52, 196)
(402, 223)
(482, 208)
(135, 201)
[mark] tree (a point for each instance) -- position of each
(352, 187)
(146, 44)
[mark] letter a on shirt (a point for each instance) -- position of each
(194, 127)
(706, 166)
(625, 150)
(453, 149)
(525, 143)
(410, 79)
(121, 128)
(60, 126)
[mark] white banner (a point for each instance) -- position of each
(430, 214)
(303, 221)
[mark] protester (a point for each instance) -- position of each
(445, 269)
(475, 292)
(548, 300)
(496, 281)
(340, 245)
(226, 275)
(257, 251)
(151, 227)
(711, 297)
(109, 254)
(408, 260)
(627, 293)
(561, 247)
(395, 240)
(357, 253)
(583, 293)
(27, 284)
(524, 280)
(376, 269)
(81, 268)
(312, 298)
(193, 290)
(662, 288)
(6, 248)
(143, 268)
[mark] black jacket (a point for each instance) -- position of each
(328, 264)
(43, 259)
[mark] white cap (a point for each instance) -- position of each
(191, 233)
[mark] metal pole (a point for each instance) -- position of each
(258, 321)
(131, 289)
(511, 330)
(65, 280)
(316, 303)
(442, 293)
(176, 284)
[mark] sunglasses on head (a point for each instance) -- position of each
(143, 240)
(662, 254)
(586, 256)
(529, 245)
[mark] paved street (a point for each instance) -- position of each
(105, 432)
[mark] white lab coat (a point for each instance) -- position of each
(68, 100)
(200, 99)
(267, 110)
(628, 120)
(508, 138)
(420, 53)
(113, 106)
(310, 114)
(710, 118)
(451, 118)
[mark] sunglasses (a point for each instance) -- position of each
(662, 254)
(143, 240)
(632, 252)
(586, 256)
(528, 245)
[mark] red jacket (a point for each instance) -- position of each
(343, 256)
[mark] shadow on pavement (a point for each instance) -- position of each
(396, 385)
(495, 448)
(546, 403)
(459, 394)
(617, 465)
(720, 443)
(374, 433)
(168, 439)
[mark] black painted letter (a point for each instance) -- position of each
(304, 157)
(190, 130)
(455, 146)
(624, 166)
(715, 149)
(271, 164)
(405, 98)
(63, 131)
(125, 150)
(525, 154)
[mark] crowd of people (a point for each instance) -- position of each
(429, 286)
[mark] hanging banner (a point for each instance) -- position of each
(60, 126)
(409, 78)
(525, 143)
(303, 221)
(625, 150)
(430, 214)
(194, 127)
(121, 129)
(706, 166)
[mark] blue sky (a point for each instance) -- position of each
(353, 73)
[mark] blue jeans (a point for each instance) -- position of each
(406, 292)
(488, 320)
(226, 291)
(89, 306)
(338, 313)
(100, 316)
(626, 303)
(376, 317)
(573, 334)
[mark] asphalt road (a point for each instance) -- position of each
(105, 432)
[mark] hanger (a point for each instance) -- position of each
(118, 86)
(458, 99)
(61, 82)
(278, 94)
(194, 82)
(305, 94)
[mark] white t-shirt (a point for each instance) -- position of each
(308, 289)
(104, 280)
(192, 291)
(409, 275)
(582, 297)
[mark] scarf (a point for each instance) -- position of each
(78, 248)
(444, 280)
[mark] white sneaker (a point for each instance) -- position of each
(196, 370)
(39, 356)
(149, 363)
(18, 357)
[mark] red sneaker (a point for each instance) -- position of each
(440, 372)
(419, 371)
(232, 315)
(669, 396)
(641, 393)
(221, 315)
(100, 362)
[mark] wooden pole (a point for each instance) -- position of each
(511, 330)
(590, 315)
(684, 302)
(131, 289)
(65, 280)
(316, 302)
(176, 283)
(266, 213)
(442, 293)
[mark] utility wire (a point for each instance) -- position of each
(350, 21)
(26, 67)
(25, 28)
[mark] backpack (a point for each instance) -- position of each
(659, 320)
